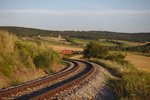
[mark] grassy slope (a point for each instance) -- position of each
(129, 84)
(17, 59)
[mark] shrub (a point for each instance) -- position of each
(46, 59)
(115, 56)
(6, 65)
(25, 58)
(118, 57)
(30, 49)
(95, 50)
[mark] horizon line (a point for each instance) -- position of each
(73, 30)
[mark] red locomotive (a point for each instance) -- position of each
(67, 52)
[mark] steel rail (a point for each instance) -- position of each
(58, 87)
(43, 80)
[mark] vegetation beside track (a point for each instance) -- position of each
(20, 56)
(129, 83)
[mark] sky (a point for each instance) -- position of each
(82, 15)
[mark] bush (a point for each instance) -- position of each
(30, 48)
(6, 65)
(26, 59)
(115, 56)
(120, 58)
(95, 50)
(46, 59)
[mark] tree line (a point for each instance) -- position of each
(93, 35)
(141, 48)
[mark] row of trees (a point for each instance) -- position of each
(141, 48)
(21, 31)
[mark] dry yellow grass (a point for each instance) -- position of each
(54, 39)
(140, 62)
(23, 74)
(77, 57)
(6, 42)
(60, 48)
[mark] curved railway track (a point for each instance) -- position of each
(52, 90)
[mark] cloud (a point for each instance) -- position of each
(114, 20)
(68, 12)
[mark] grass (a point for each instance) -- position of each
(6, 65)
(46, 59)
(6, 53)
(7, 43)
(139, 61)
(15, 82)
(130, 83)
(80, 41)
(130, 44)
(84, 41)
(55, 45)
(49, 42)
(17, 54)
(113, 67)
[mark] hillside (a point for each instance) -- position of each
(22, 60)
(22, 31)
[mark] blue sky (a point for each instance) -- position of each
(105, 15)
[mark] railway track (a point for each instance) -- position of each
(54, 89)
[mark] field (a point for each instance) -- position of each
(84, 41)
(139, 61)
(55, 44)
(64, 47)
(129, 44)
(104, 42)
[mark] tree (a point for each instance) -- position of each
(95, 50)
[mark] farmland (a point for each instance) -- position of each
(140, 62)
(85, 41)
